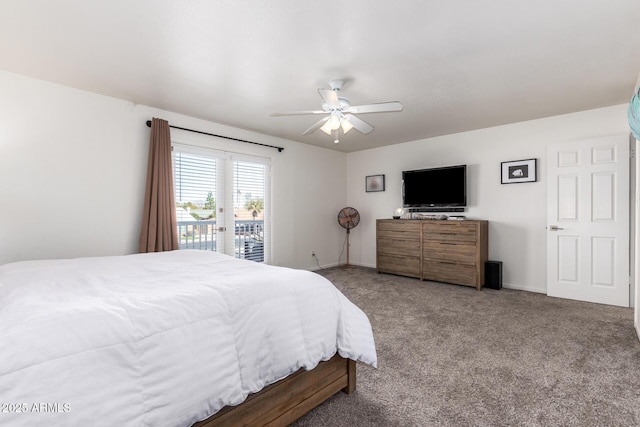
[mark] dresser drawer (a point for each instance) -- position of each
(398, 230)
(398, 247)
(399, 225)
(450, 251)
(398, 235)
(405, 266)
(455, 231)
(460, 274)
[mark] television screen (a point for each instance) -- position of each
(435, 187)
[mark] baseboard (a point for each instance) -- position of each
(323, 266)
(335, 264)
(638, 331)
(360, 264)
(523, 288)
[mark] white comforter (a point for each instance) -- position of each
(162, 339)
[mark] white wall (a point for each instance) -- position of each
(516, 212)
(73, 168)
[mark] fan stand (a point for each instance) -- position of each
(347, 264)
(348, 232)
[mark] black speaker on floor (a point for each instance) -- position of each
(493, 274)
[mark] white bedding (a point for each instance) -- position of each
(162, 339)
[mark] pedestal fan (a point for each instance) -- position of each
(348, 218)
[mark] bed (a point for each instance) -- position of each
(172, 339)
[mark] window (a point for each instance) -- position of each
(206, 182)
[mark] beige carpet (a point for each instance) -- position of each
(452, 356)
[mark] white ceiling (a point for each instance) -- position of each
(455, 65)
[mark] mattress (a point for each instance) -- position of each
(161, 339)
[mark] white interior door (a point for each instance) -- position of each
(588, 220)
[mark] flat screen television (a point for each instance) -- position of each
(435, 187)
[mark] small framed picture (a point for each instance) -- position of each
(518, 171)
(374, 183)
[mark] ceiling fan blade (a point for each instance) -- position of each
(317, 126)
(380, 107)
(298, 113)
(359, 124)
(330, 97)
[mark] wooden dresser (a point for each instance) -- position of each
(443, 251)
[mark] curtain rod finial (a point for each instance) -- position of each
(148, 123)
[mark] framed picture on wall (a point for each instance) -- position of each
(517, 171)
(374, 183)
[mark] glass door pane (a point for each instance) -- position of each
(197, 190)
(249, 209)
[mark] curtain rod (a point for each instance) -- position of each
(220, 136)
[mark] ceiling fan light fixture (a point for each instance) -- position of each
(346, 125)
(326, 127)
(334, 122)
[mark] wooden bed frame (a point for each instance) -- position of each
(285, 401)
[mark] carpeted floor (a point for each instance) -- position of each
(452, 356)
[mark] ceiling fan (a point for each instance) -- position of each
(340, 114)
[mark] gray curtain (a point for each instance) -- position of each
(159, 228)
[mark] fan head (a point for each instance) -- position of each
(348, 218)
